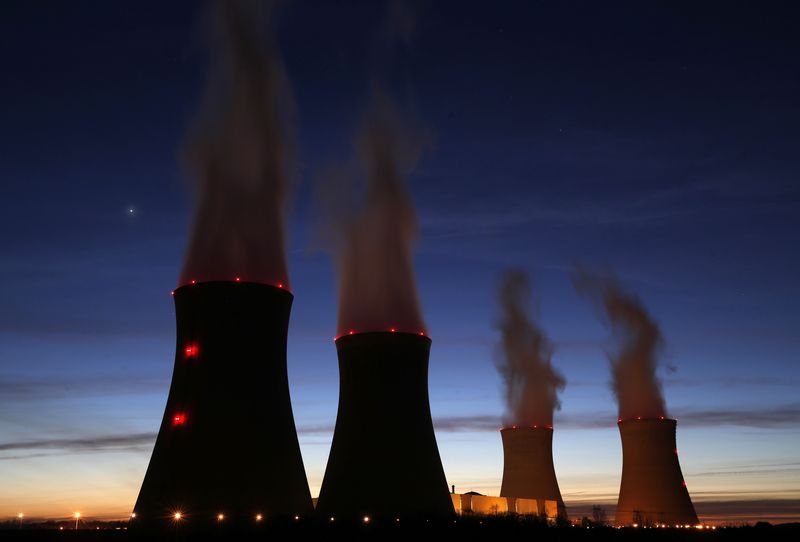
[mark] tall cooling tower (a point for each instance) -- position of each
(528, 471)
(652, 488)
(384, 461)
(227, 449)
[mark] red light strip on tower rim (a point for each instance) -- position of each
(390, 330)
(646, 418)
(535, 426)
(237, 279)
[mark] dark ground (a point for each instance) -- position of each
(461, 529)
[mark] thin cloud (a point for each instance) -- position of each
(774, 418)
(133, 441)
(18, 389)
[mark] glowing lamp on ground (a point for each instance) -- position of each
(259, 517)
(220, 517)
(366, 519)
(177, 516)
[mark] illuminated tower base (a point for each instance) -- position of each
(227, 448)
(384, 462)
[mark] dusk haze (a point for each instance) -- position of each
(400, 269)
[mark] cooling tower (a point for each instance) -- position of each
(227, 448)
(384, 461)
(652, 488)
(528, 471)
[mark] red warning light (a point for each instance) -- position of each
(237, 279)
(191, 351)
(172, 292)
(193, 281)
(350, 332)
(178, 419)
(392, 330)
(280, 285)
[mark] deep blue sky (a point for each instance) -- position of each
(659, 140)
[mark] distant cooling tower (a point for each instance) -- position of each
(227, 449)
(528, 471)
(652, 489)
(384, 461)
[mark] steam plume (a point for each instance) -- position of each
(374, 237)
(238, 156)
(531, 382)
(633, 366)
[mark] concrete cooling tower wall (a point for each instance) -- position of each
(227, 443)
(652, 490)
(528, 470)
(384, 433)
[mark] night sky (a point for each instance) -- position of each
(657, 140)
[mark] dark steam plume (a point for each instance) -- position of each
(373, 237)
(634, 364)
(531, 382)
(238, 154)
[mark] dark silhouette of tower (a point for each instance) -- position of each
(652, 490)
(227, 448)
(528, 470)
(384, 462)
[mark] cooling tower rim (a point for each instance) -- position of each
(375, 334)
(537, 427)
(620, 421)
(195, 283)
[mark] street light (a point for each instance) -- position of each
(77, 519)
